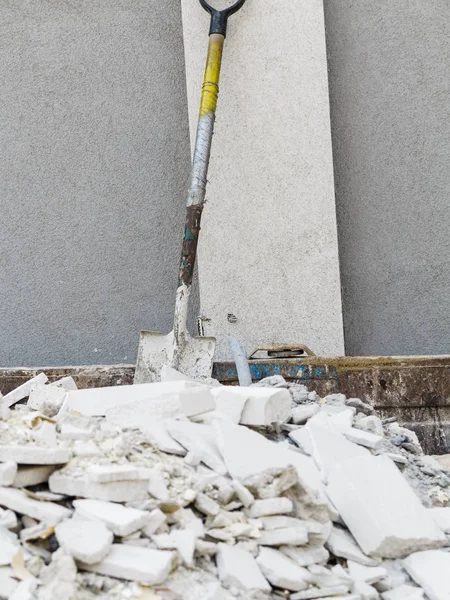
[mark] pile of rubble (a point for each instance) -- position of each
(183, 490)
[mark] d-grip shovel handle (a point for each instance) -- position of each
(219, 18)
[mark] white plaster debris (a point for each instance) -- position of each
(360, 572)
(47, 399)
(228, 403)
(364, 438)
(302, 413)
(155, 519)
(380, 509)
(238, 569)
(149, 566)
(41, 511)
(330, 448)
(24, 390)
(404, 592)
(34, 455)
(182, 541)
(119, 519)
(153, 399)
(282, 572)
(85, 540)
(270, 506)
(441, 517)
(9, 546)
(8, 472)
(292, 536)
(110, 473)
(114, 491)
(68, 383)
(264, 405)
(199, 439)
(430, 569)
(28, 475)
(307, 555)
(341, 543)
(212, 510)
(326, 592)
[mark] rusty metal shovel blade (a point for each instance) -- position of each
(193, 357)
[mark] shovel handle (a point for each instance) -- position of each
(219, 18)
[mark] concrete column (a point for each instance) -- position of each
(268, 256)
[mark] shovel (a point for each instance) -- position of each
(192, 356)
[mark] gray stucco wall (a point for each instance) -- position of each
(93, 164)
(389, 65)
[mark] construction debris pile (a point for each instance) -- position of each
(182, 490)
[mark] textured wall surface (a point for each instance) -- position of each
(389, 68)
(93, 166)
(268, 248)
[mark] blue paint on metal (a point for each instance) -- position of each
(259, 370)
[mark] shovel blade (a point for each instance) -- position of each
(194, 358)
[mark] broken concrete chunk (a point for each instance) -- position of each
(34, 455)
(8, 519)
(271, 483)
(19, 502)
(200, 439)
(248, 453)
(21, 392)
(238, 569)
(404, 592)
(182, 541)
(25, 590)
(229, 403)
(133, 563)
(159, 436)
(372, 424)
(280, 571)
(264, 405)
(380, 509)
(323, 577)
(8, 472)
(303, 440)
(85, 540)
(302, 413)
(311, 593)
(330, 448)
(119, 519)
(32, 475)
(441, 517)
(292, 536)
(109, 473)
(9, 546)
(341, 543)
(370, 575)
(85, 449)
(46, 399)
(364, 438)
(7, 584)
(340, 419)
(149, 400)
(360, 406)
(155, 520)
(115, 491)
(270, 506)
(206, 505)
(365, 591)
(244, 495)
(430, 570)
(280, 522)
(68, 383)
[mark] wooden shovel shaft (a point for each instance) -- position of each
(197, 188)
